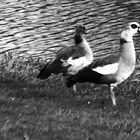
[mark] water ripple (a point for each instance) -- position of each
(40, 28)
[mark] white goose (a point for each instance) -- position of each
(109, 70)
(69, 61)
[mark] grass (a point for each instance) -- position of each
(32, 109)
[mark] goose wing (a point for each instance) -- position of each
(100, 62)
(55, 64)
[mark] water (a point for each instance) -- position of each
(41, 27)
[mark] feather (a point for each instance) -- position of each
(100, 62)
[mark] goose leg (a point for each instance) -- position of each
(74, 88)
(112, 95)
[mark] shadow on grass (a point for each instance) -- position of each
(85, 97)
(20, 89)
(58, 93)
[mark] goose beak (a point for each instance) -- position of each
(138, 29)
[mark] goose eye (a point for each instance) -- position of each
(134, 26)
(84, 28)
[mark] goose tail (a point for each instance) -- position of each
(44, 73)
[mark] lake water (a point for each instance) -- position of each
(41, 27)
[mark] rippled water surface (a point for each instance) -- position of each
(41, 27)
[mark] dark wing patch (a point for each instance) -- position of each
(55, 64)
(88, 75)
(73, 52)
(105, 61)
(64, 53)
(85, 75)
(108, 79)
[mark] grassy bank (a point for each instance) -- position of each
(46, 110)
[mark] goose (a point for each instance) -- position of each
(111, 70)
(70, 60)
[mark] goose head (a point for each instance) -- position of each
(80, 30)
(130, 30)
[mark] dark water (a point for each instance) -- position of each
(41, 27)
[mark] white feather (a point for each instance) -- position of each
(77, 64)
(79, 61)
(107, 69)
